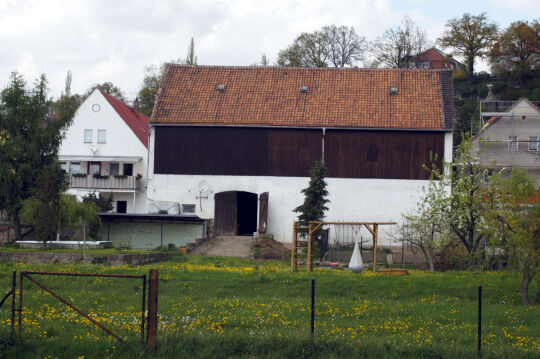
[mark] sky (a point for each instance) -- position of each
(104, 40)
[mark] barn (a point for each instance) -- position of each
(235, 144)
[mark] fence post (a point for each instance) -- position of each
(479, 321)
(21, 274)
(152, 308)
(143, 308)
(13, 291)
(312, 307)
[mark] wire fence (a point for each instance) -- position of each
(399, 316)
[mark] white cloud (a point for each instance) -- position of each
(100, 40)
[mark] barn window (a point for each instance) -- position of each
(372, 154)
(188, 209)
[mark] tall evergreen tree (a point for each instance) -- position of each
(191, 59)
(315, 194)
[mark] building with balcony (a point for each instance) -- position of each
(105, 150)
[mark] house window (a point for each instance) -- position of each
(101, 136)
(533, 143)
(63, 167)
(512, 143)
(94, 168)
(188, 209)
(87, 136)
(114, 169)
(121, 206)
(128, 169)
(372, 154)
(75, 167)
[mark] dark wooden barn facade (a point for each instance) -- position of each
(242, 151)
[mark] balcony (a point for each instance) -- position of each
(104, 182)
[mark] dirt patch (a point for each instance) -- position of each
(268, 248)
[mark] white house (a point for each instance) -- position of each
(511, 136)
(235, 144)
(105, 150)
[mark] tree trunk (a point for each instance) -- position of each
(430, 257)
(471, 71)
(17, 227)
(525, 281)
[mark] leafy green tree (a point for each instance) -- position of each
(107, 87)
(517, 50)
(105, 204)
(467, 207)
(29, 139)
(514, 225)
(42, 210)
(340, 46)
(307, 50)
(191, 59)
(395, 47)
(153, 75)
(67, 103)
(470, 36)
(315, 194)
(85, 214)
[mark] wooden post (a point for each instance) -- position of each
(310, 247)
(375, 233)
(294, 251)
(152, 308)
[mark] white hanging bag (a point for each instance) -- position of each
(356, 264)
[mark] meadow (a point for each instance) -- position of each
(218, 307)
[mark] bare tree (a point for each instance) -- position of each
(397, 45)
(332, 45)
(345, 46)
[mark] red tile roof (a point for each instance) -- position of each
(138, 122)
(272, 96)
(436, 58)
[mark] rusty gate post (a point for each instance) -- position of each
(152, 308)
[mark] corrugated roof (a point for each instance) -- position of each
(272, 96)
(138, 122)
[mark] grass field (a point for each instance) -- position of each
(215, 307)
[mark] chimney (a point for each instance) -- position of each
(136, 105)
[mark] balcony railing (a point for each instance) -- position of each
(105, 182)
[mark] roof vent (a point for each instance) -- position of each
(393, 90)
(221, 87)
(303, 89)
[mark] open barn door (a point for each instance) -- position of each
(225, 222)
(263, 212)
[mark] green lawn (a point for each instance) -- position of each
(216, 307)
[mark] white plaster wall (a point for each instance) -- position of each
(377, 200)
(120, 141)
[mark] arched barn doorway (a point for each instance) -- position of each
(235, 213)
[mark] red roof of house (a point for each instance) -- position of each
(137, 121)
(437, 59)
(272, 96)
